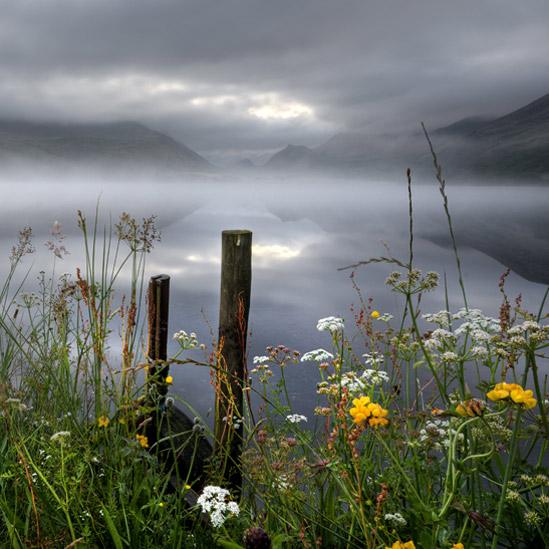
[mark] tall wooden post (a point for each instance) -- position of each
(158, 307)
(236, 280)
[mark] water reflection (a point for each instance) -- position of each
(304, 230)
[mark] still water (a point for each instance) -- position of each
(304, 230)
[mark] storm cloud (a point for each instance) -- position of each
(246, 77)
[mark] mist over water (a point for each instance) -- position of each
(305, 229)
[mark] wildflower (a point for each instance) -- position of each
(479, 352)
(458, 546)
(296, 418)
(442, 318)
(143, 441)
(396, 519)
(470, 408)
(512, 495)
(235, 421)
(402, 545)
(256, 537)
(436, 434)
(60, 436)
(330, 324)
(322, 411)
(518, 395)
(186, 341)
(215, 501)
(375, 314)
(261, 359)
(103, 421)
(169, 380)
(531, 518)
(364, 410)
(318, 355)
(374, 358)
(449, 356)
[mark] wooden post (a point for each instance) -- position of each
(159, 303)
(236, 280)
(158, 307)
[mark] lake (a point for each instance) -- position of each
(305, 229)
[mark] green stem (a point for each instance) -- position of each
(506, 477)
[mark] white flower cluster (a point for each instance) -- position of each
(395, 519)
(436, 434)
(526, 326)
(351, 382)
(236, 422)
(318, 355)
(480, 326)
(374, 377)
(215, 501)
(187, 341)
(442, 318)
(332, 324)
(261, 359)
(60, 436)
(296, 418)
(373, 359)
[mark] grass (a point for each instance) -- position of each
(413, 442)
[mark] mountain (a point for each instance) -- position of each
(513, 146)
(293, 157)
(464, 127)
(108, 145)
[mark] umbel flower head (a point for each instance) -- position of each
(364, 410)
(214, 500)
(513, 392)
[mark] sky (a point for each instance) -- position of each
(242, 78)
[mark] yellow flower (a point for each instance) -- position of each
(402, 545)
(360, 411)
(375, 314)
(517, 394)
(169, 380)
(103, 421)
(520, 395)
(364, 410)
(161, 504)
(143, 440)
(458, 546)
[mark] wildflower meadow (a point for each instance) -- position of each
(430, 428)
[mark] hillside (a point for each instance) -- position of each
(109, 145)
(512, 146)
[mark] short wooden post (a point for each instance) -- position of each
(236, 280)
(158, 307)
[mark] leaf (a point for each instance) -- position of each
(116, 538)
(228, 544)
(280, 539)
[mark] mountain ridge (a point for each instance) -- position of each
(513, 145)
(109, 144)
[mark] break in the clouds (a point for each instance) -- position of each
(249, 76)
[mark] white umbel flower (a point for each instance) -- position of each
(214, 500)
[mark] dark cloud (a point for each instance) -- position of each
(253, 75)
